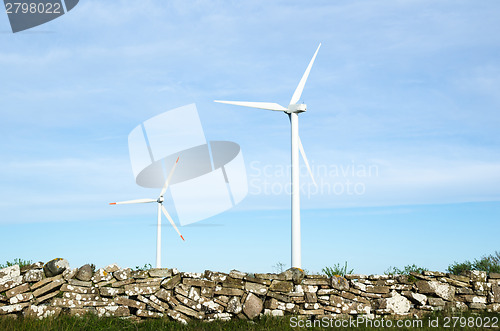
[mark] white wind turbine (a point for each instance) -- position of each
(292, 111)
(161, 208)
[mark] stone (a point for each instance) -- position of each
(46, 297)
(494, 308)
(198, 282)
(281, 286)
(4, 310)
(474, 298)
(460, 278)
(310, 297)
(111, 291)
(494, 275)
(476, 275)
(237, 274)
(377, 289)
(33, 275)
(124, 301)
(252, 306)
(160, 272)
(417, 298)
(477, 305)
(36, 265)
(494, 296)
(17, 290)
(150, 303)
(7, 284)
(21, 297)
(81, 297)
(123, 274)
(137, 274)
(55, 267)
(169, 284)
(113, 311)
(9, 273)
(217, 277)
(256, 288)
(148, 313)
(101, 275)
(339, 283)
(442, 290)
(296, 275)
(49, 287)
(396, 304)
(42, 312)
(436, 302)
(234, 306)
(434, 273)
(233, 283)
(111, 268)
(228, 291)
(79, 289)
(121, 283)
(189, 312)
(132, 289)
(84, 273)
(69, 273)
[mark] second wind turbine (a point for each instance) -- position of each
(293, 110)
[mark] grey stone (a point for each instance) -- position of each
(476, 275)
(339, 283)
(296, 275)
(160, 272)
(101, 275)
(234, 306)
(42, 312)
(256, 288)
(495, 294)
(442, 290)
(397, 304)
(494, 275)
(69, 273)
(49, 287)
(129, 302)
(436, 302)
(84, 273)
(123, 274)
(169, 284)
(111, 268)
(33, 275)
(281, 286)
(252, 306)
(16, 290)
(55, 267)
(237, 274)
(9, 273)
(113, 311)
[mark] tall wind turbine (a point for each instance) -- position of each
(161, 209)
(292, 111)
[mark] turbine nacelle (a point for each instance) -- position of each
(160, 199)
(296, 108)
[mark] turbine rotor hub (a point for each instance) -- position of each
(296, 108)
(160, 199)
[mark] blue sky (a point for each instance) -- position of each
(408, 89)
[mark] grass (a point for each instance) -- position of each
(92, 322)
(338, 270)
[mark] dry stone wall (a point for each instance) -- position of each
(40, 290)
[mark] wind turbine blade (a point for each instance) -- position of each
(165, 186)
(302, 83)
(303, 153)
(171, 221)
(133, 201)
(259, 105)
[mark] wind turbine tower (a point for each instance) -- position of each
(293, 110)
